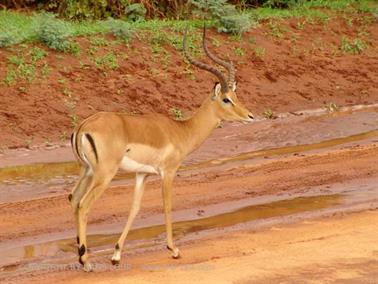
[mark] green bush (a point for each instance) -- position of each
(135, 12)
(53, 33)
(7, 38)
(12, 28)
(280, 3)
(120, 29)
(235, 24)
(229, 20)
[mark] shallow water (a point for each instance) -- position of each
(46, 171)
(242, 215)
(145, 236)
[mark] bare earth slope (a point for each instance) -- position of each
(281, 65)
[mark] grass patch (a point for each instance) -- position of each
(57, 34)
(24, 65)
(108, 61)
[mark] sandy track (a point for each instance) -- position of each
(37, 234)
(197, 189)
(342, 249)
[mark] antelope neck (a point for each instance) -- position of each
(201, 124)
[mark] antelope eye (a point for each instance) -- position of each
(226, 101)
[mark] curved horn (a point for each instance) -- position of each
(228, 65)
(206, 67)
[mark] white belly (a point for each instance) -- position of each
(130, 165)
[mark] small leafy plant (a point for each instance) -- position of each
(109, 61)
(275, 30)
(259, 52)
(269, 114)
(355, 46)
(332, 107)
(37, 54)
(99, 41)
(177, 113)
(239, 51)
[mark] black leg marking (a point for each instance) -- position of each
(81, 250)
(117, 246)
(77, 240)
(93, 145)
(80, 261)
(70, 197)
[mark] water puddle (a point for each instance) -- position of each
(46, 171)
(288, 150)
(10, 257)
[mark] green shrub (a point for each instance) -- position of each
(135, 12)
(79, 10)
(235, 24)
(11, 28)
(120, 29)
(229, 20)
(280, 3)
(53, 33)
(213, 8)
(7, 39)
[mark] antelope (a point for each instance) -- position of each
(146, 144)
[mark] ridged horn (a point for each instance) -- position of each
(228, 65)
(204, 66)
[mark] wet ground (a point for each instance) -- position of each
(302, 186)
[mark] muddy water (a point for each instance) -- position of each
(287, 150)
(42, 180)
(44, 172)
(275, 135)
(34, 180)
(18, 256)
(274, 209)
(268, 138)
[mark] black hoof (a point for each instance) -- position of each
(176, 256)
(115, 262)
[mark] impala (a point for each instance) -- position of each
(146, 144)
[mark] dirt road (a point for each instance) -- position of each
(296, 205)
(342, 249)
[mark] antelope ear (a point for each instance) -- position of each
(217, 90)
(234, 87)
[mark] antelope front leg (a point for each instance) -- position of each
(135, 206)
(167, 200)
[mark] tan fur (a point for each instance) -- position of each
(143, 144)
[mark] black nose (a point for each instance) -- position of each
(250, 116)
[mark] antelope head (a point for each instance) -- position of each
(226, 103)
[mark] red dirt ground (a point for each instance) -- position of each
(305, 68)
